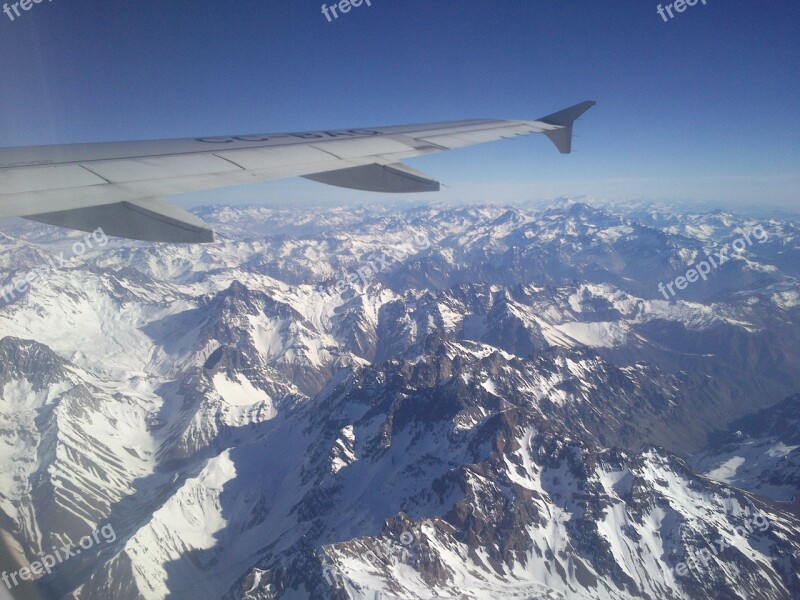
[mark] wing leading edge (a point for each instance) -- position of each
(118, 186)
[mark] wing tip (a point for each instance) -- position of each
(567, 116)
(564, 119)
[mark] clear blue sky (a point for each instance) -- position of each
(703, 107)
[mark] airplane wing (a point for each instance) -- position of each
(119, 186)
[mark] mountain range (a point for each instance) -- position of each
(420, 402)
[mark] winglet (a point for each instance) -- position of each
(562, 137)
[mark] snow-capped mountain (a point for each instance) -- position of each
(759, 453)
(473, 402)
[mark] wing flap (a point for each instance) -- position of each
(283, 156)
(368, 146)
(159, 167)
(52, 177)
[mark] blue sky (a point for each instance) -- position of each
(705, 107)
